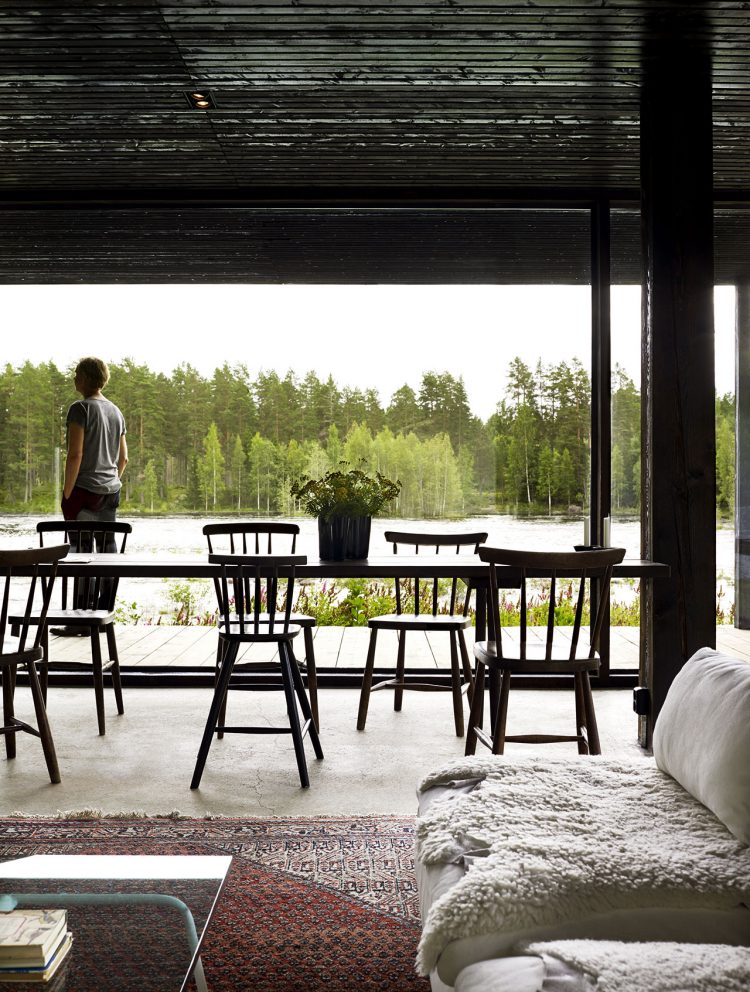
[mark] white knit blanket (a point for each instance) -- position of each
(611, 966)
(563, 839)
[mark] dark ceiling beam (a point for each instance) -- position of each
(478, 197)
(275, 197)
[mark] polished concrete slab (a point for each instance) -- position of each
(145, 761)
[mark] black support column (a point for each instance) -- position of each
(742, 458)
(601, 396)
(678, 516)
(601, 372)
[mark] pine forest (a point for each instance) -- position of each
(237, 440)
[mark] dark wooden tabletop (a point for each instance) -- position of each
(376, 567)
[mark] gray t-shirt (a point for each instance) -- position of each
(103, 426)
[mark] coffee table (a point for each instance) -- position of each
(138, 921)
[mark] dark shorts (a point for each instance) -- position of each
(82, 499)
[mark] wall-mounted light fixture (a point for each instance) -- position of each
(200, 99)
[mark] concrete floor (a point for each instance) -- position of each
(145, 761)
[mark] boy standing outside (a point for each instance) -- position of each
(97, 454)
(97, 451)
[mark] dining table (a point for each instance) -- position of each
(165, 565)
(383, 566)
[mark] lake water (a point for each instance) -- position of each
(182, 535)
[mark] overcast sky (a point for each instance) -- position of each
(366, 336)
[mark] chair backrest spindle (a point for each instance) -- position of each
(438, 542)
(493, 620)
(32, 561)
(247, 534)
(578, 616)
(524, 614)
(551, 615)
(260, 583)
(520, 567)
(243, 537)
(88, 537)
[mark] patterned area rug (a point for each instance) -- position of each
(310, 904)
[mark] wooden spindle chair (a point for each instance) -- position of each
(257, 537)
(88, 602)
(453, 623)
(22, 642)
(255, 595)
(579, 658)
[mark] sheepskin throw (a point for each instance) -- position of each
(612, 966)
(553, 841)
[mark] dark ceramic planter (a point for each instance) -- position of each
(342, 538)
(358, 539)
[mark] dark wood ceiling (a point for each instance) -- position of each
(359, 104)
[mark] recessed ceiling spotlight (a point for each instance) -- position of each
(200, 100)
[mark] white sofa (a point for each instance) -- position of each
(514, 854)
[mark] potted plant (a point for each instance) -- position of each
(344, 502)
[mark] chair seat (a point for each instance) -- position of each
(535, 662)
(234, 633)
(11, 655)
(408, 621)
(86, 618)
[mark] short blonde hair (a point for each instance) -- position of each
(93, 373)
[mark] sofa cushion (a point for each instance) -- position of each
(515, 974)
(611, 966)
(702, 736)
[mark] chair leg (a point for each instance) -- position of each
(220, 691)
(96, 660)
(498, 737)
(364, 696)
(494, 681)
(466, 664)
(458, 699)
(222, 718)
(588, 705)
(476, 714)
(291, 708)
(44, 664)
(305, 706)
(312, 675)
(581, 729)
(398, 695)
(115, 669)
(8, 710)
(42, 724)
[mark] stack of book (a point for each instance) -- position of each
(33, 944)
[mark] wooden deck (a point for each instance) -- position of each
(340, 648)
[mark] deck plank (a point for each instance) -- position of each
(354, 643)
(733, 641)
(327, 645)
(141, 645)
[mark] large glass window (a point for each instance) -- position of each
(626, 444)
(724, 324)
(476, 396)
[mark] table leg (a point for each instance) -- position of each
(12, 900)
(480, 592)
